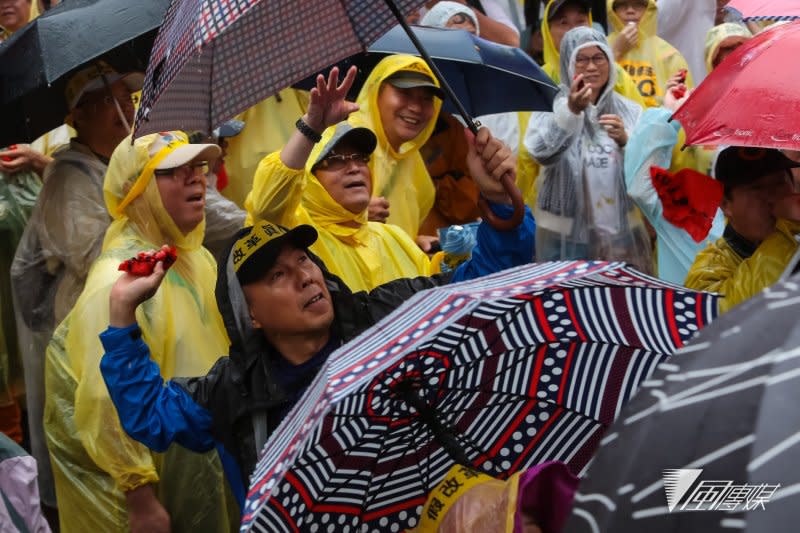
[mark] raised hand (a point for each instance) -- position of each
(489, 159)
(627, 39)
(378, 209)
(130, 290)
(580, 95)
(327, 105)
(675, 97)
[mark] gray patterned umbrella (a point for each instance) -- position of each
(710, 436)
(213, 59)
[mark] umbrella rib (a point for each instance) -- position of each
(525, 398)
(369, 499)
(302, 461)
(331, 492)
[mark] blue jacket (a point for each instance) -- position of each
(240, 401)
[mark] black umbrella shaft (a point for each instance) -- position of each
(430, 417)
(424, 53)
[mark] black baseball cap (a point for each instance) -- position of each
(584, 5)
(361, 138)
(739, 165)
(256, 250)
(408, 79)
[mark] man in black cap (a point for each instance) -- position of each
(758, 241)
(285, 313)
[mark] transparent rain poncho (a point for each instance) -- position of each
(93, 459)
(63, 237)
(583, 210)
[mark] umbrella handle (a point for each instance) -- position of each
(501, 224)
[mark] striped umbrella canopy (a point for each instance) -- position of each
(500, 374)
(765, 9)
(213, 59)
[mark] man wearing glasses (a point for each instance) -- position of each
(325, 181)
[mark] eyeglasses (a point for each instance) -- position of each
(109, 100)
(598, 59)
(336, 162)
(184, 171)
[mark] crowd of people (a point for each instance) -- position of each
(312, 217)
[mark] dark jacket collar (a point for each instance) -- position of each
(739, 244)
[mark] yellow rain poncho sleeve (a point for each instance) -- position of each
(653, 61)
(399, 175)
(720, 269)
(364, 257)
(267, 127)
(624, 85)
(93, 459)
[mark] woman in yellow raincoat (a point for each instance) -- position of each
(398, 171)
(651, 61)
(96, 465)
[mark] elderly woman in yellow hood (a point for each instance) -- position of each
(105, 481)
(400, 102)
(647, 58)
(327, 182)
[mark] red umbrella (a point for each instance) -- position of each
(765, 9)
(751, 98)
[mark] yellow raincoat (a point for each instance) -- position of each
(399, 176)
(363, 257)
(653, 61)
(267, 127)
(720, 269)
(727, 34)
(93, 459)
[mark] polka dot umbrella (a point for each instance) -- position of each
(501, 373)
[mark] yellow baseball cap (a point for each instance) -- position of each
(91, 79)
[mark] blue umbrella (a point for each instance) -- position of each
(486, 77)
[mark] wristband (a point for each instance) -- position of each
(306, 130)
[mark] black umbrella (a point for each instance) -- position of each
(708, 439)
(37, 61)
(486, 77)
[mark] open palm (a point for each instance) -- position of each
(327, 105)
